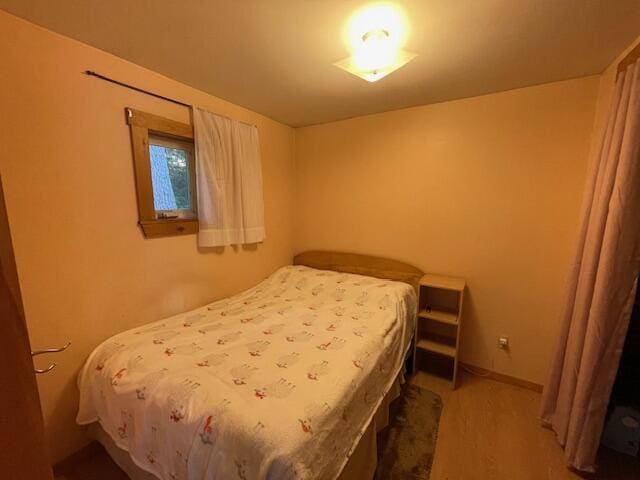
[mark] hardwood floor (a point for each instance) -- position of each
(488, 430)
(95, 466)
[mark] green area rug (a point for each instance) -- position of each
(406, 447)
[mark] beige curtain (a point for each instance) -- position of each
(229, 179)
(601, 284)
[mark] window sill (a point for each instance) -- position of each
(169, 227)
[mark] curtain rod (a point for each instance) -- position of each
(91, 73)
(630, 58)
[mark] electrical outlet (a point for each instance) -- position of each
(503, 342)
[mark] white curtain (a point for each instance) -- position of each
(229, 173)
(601, 286)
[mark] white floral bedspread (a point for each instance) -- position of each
(277, 382)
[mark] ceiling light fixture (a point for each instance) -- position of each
(375, 35)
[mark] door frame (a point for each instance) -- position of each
(23, 452)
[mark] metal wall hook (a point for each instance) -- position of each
(45, 370)
(35, 353)
(50, 350)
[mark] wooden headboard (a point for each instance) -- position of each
(361, 264)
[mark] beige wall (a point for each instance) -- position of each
(487, 188)
(86, 272)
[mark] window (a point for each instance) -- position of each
(172, 177)
(164, 161)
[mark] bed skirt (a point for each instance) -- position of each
(361, 465)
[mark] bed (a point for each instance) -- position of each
(289, 379)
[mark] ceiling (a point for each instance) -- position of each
(276, 56)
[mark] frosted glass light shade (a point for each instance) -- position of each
(371, 70)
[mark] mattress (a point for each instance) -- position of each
(280, 381)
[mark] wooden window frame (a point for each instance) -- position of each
(142, 125)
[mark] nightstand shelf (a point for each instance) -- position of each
(439, 319)
(437, 346)
(443, 282)
(439, 316)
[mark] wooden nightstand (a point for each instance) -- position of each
(439, 320)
